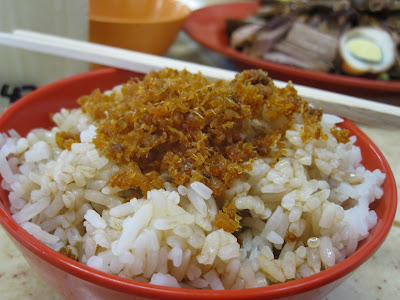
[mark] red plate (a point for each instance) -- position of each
(207, 27)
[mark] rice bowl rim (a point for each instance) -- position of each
(363, 252)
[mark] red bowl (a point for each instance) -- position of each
(77, 281)
(207, 27)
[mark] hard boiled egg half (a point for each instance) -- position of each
(366, 50)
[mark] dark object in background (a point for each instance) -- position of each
(17, 92)
(315, 35)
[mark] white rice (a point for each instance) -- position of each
(305, 214)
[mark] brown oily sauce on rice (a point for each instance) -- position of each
(194, 129)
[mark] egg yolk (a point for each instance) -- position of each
(364, 49)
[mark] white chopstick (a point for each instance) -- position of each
(102, 54)
(355, 109)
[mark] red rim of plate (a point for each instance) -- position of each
(201, 25)
(143, 289)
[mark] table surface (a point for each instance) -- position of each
(378, 278)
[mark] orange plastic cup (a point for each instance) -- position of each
(149, 26)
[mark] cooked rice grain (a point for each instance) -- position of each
(301, 215)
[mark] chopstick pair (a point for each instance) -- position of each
(102, 54)
(352, 108)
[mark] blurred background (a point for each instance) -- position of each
(156, 27)
(67, 18)
(60, 17)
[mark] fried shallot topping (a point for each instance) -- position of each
(67, 251)
(341, 135)
(194, 129)
(65, 139)
(228, 218)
